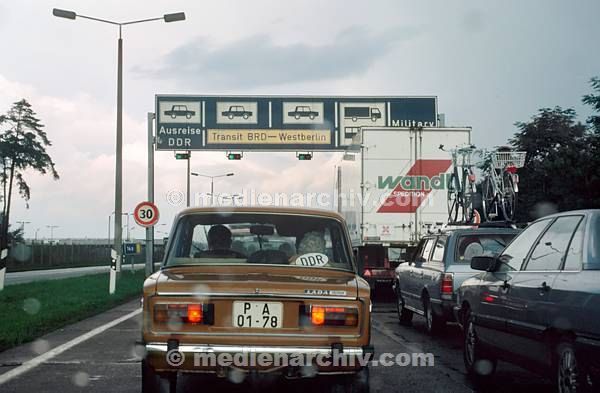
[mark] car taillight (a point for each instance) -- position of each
(367, 273)
(328, 315)
(195, 314)
(386, 263)
(447, 285)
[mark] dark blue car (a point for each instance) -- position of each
(538, 303)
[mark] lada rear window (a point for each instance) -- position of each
(249, 238)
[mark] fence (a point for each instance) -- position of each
(35, 256)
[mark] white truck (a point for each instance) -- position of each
(392, 189)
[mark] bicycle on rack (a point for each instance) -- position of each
(461, 185)
(501, 184)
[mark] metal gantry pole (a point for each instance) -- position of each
(188, 178)
(117, 247)
(150, 230)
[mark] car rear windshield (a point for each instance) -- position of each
(258, 238)
(473, 245)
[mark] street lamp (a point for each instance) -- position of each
(23, 226)
(51, 227)
(212, 183)
(116, 254)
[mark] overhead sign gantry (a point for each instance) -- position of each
(281, 123)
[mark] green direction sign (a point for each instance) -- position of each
(292, 123)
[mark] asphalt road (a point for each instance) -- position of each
(109, 362)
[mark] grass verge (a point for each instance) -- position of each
(31, 310)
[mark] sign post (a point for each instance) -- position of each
(146, 215)
(150, 230)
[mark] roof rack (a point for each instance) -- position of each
(498, 224)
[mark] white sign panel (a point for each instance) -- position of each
(356, 115)
(179, 112)
(302, 113)
(237, 113)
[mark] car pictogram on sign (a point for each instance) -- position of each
(180, 110)
(236, 111)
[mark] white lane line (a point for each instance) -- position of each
(32, 363)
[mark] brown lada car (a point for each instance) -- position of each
(245, 292)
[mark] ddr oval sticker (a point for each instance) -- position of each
(313, 259)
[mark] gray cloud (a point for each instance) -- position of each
(257, 61)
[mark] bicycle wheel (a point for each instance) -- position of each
(468, 195)
(509, 200)
(452, 199)
(488, 200)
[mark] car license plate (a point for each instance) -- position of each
(262, 315)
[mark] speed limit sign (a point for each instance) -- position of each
(146, 214)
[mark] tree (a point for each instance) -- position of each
(593, 100)
(23, 144)
(557, 166)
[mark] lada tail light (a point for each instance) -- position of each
(194, 314)
(318, 315)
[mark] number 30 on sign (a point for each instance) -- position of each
(146, 214)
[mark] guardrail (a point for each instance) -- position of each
(38, 256)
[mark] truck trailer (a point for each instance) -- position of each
(392, 189)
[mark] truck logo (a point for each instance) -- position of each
(410, 190)
(414, 182)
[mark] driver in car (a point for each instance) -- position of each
(219, 243)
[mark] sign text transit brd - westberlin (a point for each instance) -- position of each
(281, 123)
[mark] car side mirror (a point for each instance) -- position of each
(484, 263)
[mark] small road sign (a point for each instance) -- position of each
(132, 248)
(146, 214)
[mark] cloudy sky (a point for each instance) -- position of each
(490, 63)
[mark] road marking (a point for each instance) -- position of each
(32, 363)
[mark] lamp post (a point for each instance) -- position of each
(51, 227)
(23, 226)
(117, 247)
(212, 183)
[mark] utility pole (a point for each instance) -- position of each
(51, 241)
(51, 227)
(23, 226)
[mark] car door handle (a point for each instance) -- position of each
(544, 287)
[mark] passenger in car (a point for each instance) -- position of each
(313, 241)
